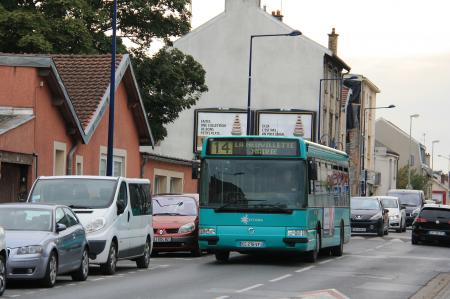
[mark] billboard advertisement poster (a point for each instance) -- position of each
(289, 124)
(218, 123)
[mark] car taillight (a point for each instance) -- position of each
(421, 220)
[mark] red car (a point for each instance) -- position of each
(175, 223)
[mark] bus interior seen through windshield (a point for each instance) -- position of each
(253, 184)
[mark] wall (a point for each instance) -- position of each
(286, 70)
(189, 184)
(386, 164)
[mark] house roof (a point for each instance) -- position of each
(85, 77)
(80, 88)
(388, 149)
(345, 96)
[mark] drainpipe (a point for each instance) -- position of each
(70, 157)
(144, 161)
(36, 160)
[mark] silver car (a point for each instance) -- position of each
(44, 241)
(3, 257)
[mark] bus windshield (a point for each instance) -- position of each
(239, 184)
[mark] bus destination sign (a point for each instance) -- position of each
(252, 147)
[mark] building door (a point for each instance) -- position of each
(13, 185)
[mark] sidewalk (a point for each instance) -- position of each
(437, 288)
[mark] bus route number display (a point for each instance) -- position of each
(252, 147)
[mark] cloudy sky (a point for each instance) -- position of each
(403, 46)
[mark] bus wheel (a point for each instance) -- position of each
(311, 256)
(222, 256)
(338, 250)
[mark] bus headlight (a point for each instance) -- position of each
(296, 232)
(207, 231)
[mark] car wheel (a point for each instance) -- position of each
(49, 279)
(109, 268)
(414, 240)
(404, 225)
(339, 250)
(222, 256)
(144, 261)
(2, 275)
(81, 274)
(311, 256)
(196, 252)
(386, 231)
(380, 229)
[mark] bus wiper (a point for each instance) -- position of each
(170, 214)
(79, 207)
(240, 203)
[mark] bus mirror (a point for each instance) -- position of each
(312, 171)
(195, 170)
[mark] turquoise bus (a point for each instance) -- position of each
(273, 194)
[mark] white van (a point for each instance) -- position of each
(116, 213)
(412, 200)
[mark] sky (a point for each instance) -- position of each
(402, 46)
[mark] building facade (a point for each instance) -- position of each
(386, 165)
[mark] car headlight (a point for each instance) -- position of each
(34, 249)
(394, 217)
(296, 232)
(207, 231)
(95, 225)
(186, 228)
(376, 216)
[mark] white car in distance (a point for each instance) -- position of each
(397, 213)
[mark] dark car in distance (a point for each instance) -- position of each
(432, 225)
(369, 216)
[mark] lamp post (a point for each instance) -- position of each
(112, 89)
(432, 155)
(363, 145)
(293, 33)
(409, 186)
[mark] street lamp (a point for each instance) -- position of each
(293, 33)
(363, 145)
(432, 155)
(409, 186)
(319, 112)
(112, 89)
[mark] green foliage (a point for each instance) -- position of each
(418, 181)
(170, 81)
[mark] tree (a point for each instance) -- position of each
(170, 81)
(418, 181)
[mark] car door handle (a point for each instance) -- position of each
(128, 216)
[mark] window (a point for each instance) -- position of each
(79, 165)
(59, 158)
(71, 218)
(176, 185)
(62, 218)
(412, 160)
(140, 200)
(160, 184)
(123, 196)
(118, 165)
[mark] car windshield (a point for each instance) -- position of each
(361, 203)
(434, 213)
(174, 205)
(26, 219)
(389, 203)
(408, 199)
(75, 193)
(254, 184)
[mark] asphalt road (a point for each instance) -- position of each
(372, 267)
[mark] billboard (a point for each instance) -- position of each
(286, 123)
(216, 122)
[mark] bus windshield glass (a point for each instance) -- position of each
(75, 193)
(253, 185)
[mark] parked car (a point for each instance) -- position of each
(115, 211)
(413, 200)
(3, 260)
(369, 216)
(175, 223)
(397, 212)
(44, 241)
(432, 225)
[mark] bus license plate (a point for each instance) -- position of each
(436, 233)
(163, 239)
(251, 244)
(358, 229)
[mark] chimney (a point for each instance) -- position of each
(333, 41)
(277, 15)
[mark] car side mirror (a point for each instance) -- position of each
(120, 207)
(312, 170)
(195, 170)
(386, 211)
(60, 227)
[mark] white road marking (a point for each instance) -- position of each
(131, 272)
(280, 278)
(97, 279)
(12, 296)
(340, 258)
(325, 261)
(401, 257)
(304, 269)
(250, 288)
(222, 297)
(379, 246)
